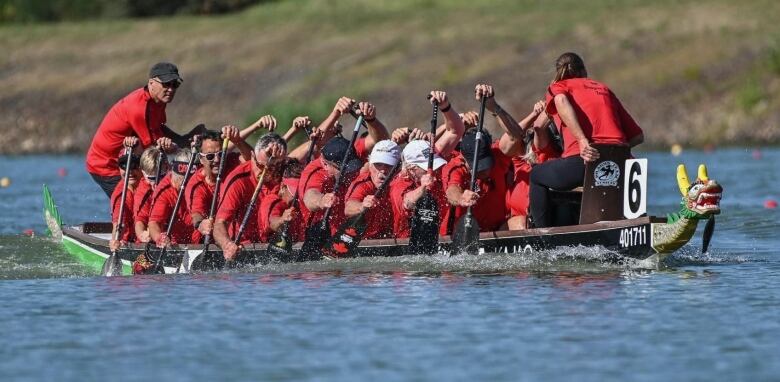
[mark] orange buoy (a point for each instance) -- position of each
(29, 232)
(5, 182)
(770, 204)
(62, 172)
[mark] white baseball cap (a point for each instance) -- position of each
(416, 153)
(386, 152)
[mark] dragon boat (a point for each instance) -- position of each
(611, 214)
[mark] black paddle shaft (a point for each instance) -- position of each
(113, 264)
(215, 196)
(179, 197)
(477, 145)
(251, 206)
(434, 125)
(283, 232)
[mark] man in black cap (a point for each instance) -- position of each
(140, 114)
(489, 198)
(318, 182)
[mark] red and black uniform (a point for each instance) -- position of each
(402, 185)
(603, 119)
(236, 194)
(379, 220)
(134, 115)
(199, 193)
(517, 196)
(142, 202)
(315, 176)
(128, 231)
(490, 210)
(163, 201)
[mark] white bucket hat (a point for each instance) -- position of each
(386, 152)
(416, 153)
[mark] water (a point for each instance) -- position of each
(698, 317)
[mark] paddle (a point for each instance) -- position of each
(424, 225)
(113, 264)
(158, 267)
(709, 229)
(280, 245)
(318, 233)
(239, 259)
(201, 258)
(351, 232)
(466, 234)
(158, 173)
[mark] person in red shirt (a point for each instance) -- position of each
(142, 201)
(361, 194)
(269, 152)
(412, 181)
(586, 111)
(319, 176)
(200, 189)
(141, 114)
(133, 178)
(163, 202)
(276, 208)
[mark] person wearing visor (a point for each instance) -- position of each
(142, 201)
(133, 179)
(270, 152)
(412, 182)
(318, 180)
(164, 200)
(200, 189)
(361, 194)
(141, 114)
(276, 208)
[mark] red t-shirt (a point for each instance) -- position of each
(198, 193)
(314, 176)
(236, 194)
(128, 230)
(517, 196)
(490, 210)
(163, 201)
(142, 202)
(379, 220)
(273, 205)
(135, 115)
(601, 115)
(399, 187)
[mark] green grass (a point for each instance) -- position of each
(666, 59)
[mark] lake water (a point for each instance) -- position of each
(497, 318)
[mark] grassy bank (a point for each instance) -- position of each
(692, 72)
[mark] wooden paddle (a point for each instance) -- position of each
(158, 264)
(203, 260)
(239, 259)
(350, 233)
(424, 224)
(318, 233)
(113, 264)
(280, 245)
(465, 237)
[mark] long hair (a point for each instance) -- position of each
(569, 65)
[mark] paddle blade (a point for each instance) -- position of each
(709, 229)
(112, 266)
(465, 237)
(347, 238)
(280, 247)
(312, 245)
(424, 225)
(208, 261)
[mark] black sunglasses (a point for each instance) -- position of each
(170, 84)
(135, 162)
(210, 156)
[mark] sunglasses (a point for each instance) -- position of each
(135, 162)
(211, 156)
(170, 84)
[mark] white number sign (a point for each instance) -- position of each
(635, 188)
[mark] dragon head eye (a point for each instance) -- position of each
(695, 188)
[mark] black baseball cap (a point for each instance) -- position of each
(165, 71)
(334, 151)
(484, 154)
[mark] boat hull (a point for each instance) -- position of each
(630, 238)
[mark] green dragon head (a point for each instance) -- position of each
(701, 199)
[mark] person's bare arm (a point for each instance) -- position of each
(155, 231)
(569, 117)
(220, 233)
(353, 207)
(454, 127)
(376, 129)
(454, 194)
(311, 199)
(541, 132)
(140, 232)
